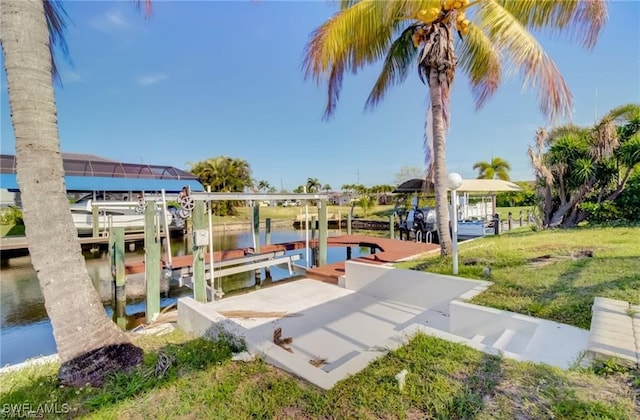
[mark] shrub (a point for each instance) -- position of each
(11, 216)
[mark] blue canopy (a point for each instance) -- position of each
(92, 173)
(93, 183)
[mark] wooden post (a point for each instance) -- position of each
(267, 241)
(255, 218)
(151, 262)
(510, 220)
(349, 224)
(520, 218)
(322, 234)
(391, 227)
(116, 255)
(199, 283)
(95, 221)
(348, 253)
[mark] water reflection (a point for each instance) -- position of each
(25, 328)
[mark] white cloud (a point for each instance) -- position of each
(71, 76)
(151, 79)
(109, 21)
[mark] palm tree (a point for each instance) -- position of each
(89, 344)
(263, 185)
(224, 174)
(498, 168)
(327, 188)
(313, 185)
(404, 32)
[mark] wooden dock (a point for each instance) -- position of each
(386, 251)
(383, 250)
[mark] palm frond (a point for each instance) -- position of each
(395, 69)
(350, 39)
(513, 40)
(480, 60)
(580, 20)
(56, 23)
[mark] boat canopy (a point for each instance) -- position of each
(92, 173)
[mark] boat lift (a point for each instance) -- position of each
(192, 204)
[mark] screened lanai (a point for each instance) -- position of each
(93, 173)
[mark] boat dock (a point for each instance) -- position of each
(16, 246)
(383, 250)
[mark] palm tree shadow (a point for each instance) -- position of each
(479, 388)
(160, 368)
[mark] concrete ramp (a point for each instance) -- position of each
(327, 332)
(323, 332)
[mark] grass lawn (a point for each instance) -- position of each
(561, 287)
(445, 380)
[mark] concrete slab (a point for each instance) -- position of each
(614, 331)
(329, 332)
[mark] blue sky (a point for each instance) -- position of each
(202, 79)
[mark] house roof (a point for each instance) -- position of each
(92, 173)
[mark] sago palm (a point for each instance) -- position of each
(498, 168)
(480, 37)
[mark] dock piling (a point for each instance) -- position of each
(152, 262)
(322, 232)
(267, 241)
(199, 226)
(116, 256)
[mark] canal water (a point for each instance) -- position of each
(25, 330)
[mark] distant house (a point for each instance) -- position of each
(342, 198)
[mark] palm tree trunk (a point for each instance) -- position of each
(439, 164)
(89, 344)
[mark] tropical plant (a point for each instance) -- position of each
(327, 188)
(263, 185)
(525, 197)
(299, 189)
(89, 344)
(491, 33)
(366, 203)
(584, 170)
(498, 168)
(224, 174)
(313, 185)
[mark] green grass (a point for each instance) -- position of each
(11, 230)
(562, 290)
(445, 380)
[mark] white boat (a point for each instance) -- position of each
(126, 214)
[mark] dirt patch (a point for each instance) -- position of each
(546, 259)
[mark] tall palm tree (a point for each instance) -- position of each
(490, 34)
(327, 188)
(263, 185)
(89, 344)
(313, 185)
(498, 168)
